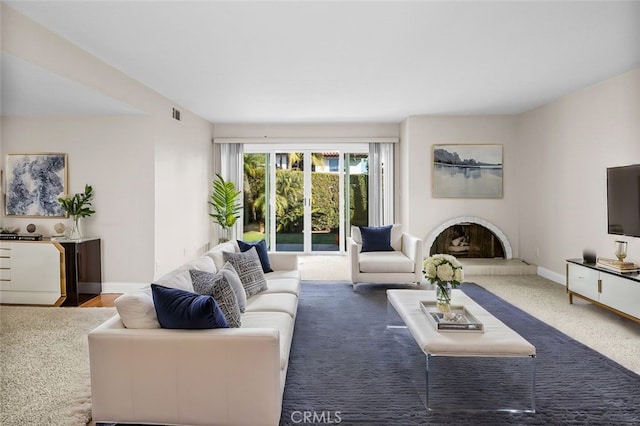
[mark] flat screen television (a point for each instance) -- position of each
(623, 200)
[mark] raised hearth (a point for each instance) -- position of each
(497, 267)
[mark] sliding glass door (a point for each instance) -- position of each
(257, 205)
(289, 201)
(326, 202)
(304, 200)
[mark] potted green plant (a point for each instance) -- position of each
(77, 206)
(226, 208)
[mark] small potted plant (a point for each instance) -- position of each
(226, 207)
(77, 206)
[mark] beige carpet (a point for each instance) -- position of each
(45, 364)
(613, 336)
(610, 334)
(329, 267)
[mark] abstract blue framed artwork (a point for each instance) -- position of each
(33, 184)
(467, 171)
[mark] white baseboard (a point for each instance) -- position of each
(121, 287)
(553, 276)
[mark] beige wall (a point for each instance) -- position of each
(555, 160)
(183, 176)
(151, 174)
(420, 213)
(115, 156)
(564, 150)
(151, 182)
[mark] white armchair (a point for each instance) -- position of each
(403, 265)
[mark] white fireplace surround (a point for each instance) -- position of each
(431, 238)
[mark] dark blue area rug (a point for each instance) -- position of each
(346, 367)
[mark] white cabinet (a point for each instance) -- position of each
(32, 272)
(620, 293)
(617, 292)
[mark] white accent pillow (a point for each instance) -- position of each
(178, 278)
(136, 309)
(203, 263)
(216, 252)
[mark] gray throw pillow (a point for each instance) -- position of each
(249, 269)
(232, 277)
(217, 286)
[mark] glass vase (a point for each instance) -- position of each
(621, 250)
(74, 230)
(443, 297)
(226, 234)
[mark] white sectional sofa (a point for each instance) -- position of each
(224, 376)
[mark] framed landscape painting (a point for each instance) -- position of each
(467, 171)
(33, 184)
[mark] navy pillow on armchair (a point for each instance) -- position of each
(376, 238)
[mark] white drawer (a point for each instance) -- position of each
(583, 280)
(5, 261)
(5, 265)
(5, 274)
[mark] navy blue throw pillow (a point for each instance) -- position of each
(177, 308)
(261, 248)
(376, 238)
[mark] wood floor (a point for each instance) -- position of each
(105, 300)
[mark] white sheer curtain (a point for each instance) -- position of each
(232, 170)
(381, 194)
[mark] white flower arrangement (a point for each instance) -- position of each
(442, 268)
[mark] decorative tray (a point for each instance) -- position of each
(461, 319)
(616, 265)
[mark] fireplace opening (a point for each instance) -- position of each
(468, 240)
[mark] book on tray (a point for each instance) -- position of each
(617, 265)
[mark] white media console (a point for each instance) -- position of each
(615, 291)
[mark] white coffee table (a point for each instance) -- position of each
(498, 347)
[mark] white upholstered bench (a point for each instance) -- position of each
(498, 347)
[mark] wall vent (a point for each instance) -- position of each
(175, 113)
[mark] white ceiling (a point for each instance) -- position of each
(359, 61)
(28, 90)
